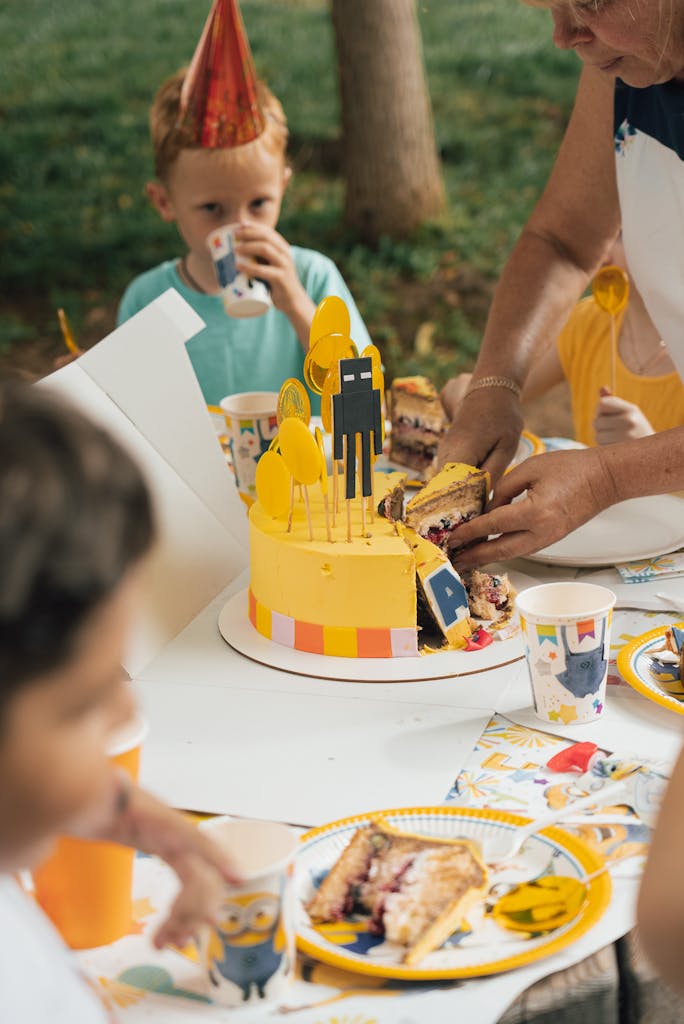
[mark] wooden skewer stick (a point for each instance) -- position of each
(363, 516)
(308, 511)
(348, 504)
(613, 353)
(289, 516)
(344, 481)
(327, 516)
(335, 490)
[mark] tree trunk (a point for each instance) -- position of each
(394, 180)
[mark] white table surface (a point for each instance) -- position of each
(234, 736)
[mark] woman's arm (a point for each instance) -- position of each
(560, 247)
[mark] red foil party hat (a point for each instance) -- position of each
(218, 105)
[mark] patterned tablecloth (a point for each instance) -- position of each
(507, 770)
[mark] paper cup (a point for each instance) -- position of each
(242, 296)
(251, 424)
(85, 887)
(567, 639)
(249, 956)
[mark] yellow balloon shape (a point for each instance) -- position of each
(325, 352)
(300, 451)
(318, 434)
(331, 317)
(293, 401)
(273, 483)
(610, 289)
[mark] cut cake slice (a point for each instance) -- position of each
(418, 422)
(416, 889)
(454, 495)
(441, 592)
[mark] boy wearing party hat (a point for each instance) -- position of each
(219, 138)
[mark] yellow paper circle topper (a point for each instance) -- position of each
(300, 451)
(320, 358)
(372, 352)
(318, 435)
(273, 484)
(331, 317)
(293, 400)
(610, 289)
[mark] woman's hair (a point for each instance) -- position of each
(169, 136)
(75, 514)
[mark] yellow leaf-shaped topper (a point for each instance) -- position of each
(273, 483)
(331, 317)
(300, 451)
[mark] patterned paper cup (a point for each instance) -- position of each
(251, 424)
(249, 956)
(242, 296)
(567, 638)
(85, 887)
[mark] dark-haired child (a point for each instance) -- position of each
(75, 523)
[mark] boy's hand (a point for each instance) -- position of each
(261, 252)
(618, 420)
(138, 819)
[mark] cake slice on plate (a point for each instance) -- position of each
(415, 889)
(418, 422)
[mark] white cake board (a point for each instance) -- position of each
(240, 634)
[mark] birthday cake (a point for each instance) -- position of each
(338, 565)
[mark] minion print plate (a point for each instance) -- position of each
(639, 666)
(479, 946)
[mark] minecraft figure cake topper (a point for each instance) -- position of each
(357, 414)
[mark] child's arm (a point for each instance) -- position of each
(660, 911)
(136, 818)
(261, 252)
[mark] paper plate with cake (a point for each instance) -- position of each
(407, 894)
(653, 664)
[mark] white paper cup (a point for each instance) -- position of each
(250, 956)
(251, 424)
(567, 639)
(242, 296)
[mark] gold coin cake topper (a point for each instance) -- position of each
(326, 351)
(293, 401)
(331, 317)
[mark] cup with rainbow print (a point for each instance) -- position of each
(566, 627)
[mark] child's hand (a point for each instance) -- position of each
(261, 252)
(618, 420)
(136, 818)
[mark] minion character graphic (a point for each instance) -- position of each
(247, 949)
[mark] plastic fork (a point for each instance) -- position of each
(506, 844)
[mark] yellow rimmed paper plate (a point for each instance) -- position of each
(633, 663)
(528, 445)
(484, 948)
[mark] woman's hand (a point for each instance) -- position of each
(557, 493)
(618, 420)
(485, 431)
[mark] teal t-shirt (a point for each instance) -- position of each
(255, 354)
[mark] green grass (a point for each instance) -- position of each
(75, 87)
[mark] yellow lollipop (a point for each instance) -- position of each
(293, 401)
(273, 484)
(610, 289)
(300, 451)
(331, 317)
(327, 350)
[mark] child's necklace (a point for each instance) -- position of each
(189, 278)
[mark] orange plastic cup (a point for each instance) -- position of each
(85, 887)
